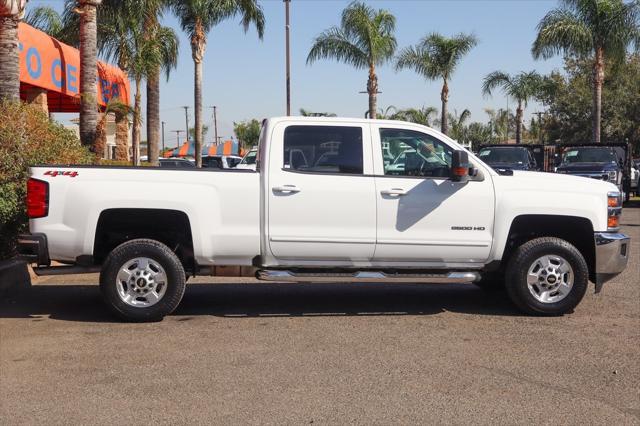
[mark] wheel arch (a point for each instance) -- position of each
(578, 231)
(170, 227)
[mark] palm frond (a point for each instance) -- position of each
(334, 43)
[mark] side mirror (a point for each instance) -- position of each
(460, 166)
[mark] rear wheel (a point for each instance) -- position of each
(547, 276)
(142, 280)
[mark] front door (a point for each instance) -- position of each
(423, 216)
(321, 204)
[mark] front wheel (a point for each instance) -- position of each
(142, 280)
(547, 276)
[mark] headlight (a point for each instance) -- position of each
(614, 210)
(612, 176)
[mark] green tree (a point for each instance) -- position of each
(307, 113)
(459, 128)
(364, 39)
(521, 87)
(192, 132)
(197, 18)
(436, 57)
(424, 115)
(247, 132)
(569, 108)
(47, 19)
(126, 38)
(598, 29)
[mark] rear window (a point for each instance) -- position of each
(323, 149)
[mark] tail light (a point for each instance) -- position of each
(37, 198)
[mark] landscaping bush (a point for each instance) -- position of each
(28, 137)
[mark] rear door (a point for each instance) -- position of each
(321, 193)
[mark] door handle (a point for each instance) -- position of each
(395, 192)
(286, 188)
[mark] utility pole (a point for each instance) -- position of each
(288, 55)
(177, 132)
(163, 123)
(215, 124)
(186, 120)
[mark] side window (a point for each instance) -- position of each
(410, 153)
(323, 149)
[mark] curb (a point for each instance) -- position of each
(14, 276)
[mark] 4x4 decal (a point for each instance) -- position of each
(54, 173)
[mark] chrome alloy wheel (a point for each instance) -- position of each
(141, 282)
(550, 279)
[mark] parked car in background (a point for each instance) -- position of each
(504, 158)
(608, 162)
(446, 217)
(177, 163)
(221, 161)
(249, 160)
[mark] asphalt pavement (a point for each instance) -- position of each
(238, 351)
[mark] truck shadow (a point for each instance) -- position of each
(229, 300)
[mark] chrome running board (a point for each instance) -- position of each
(367, 277)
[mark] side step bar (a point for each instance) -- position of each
(366, 276)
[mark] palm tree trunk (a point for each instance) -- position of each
(598, 79)
(135, 138)
(197, 94)
(88, 71)
(519, 123)
(9, 58)
(153, 116)
(100, 145)
(444, 97)
(372, 90)
(122, 137)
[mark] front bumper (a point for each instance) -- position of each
(34, 249)
(612, 255)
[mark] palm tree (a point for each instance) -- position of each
(51, 22)
(155, 10)
(600, 29)
(307, 113)
(114, 107)
(436, 57)
(138, 49)
(521, 87)
(458, 125)
(10, 14)
(422, 116)
(364, 39)
(197, 18)
(88, 70)
(385, 113)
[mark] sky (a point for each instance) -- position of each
(245, 76)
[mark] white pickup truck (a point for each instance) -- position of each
(324, 205)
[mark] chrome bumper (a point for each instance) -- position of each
(612, 254)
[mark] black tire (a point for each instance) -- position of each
(159, 253)
(522, 260)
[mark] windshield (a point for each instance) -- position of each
(250, 158)
(503, 155)
(589, 155)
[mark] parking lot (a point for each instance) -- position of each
(238, 351)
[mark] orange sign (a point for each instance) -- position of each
(49, 64)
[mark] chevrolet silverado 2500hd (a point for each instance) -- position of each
(324, 206)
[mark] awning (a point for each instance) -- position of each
(188, 149)
(48, 64)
